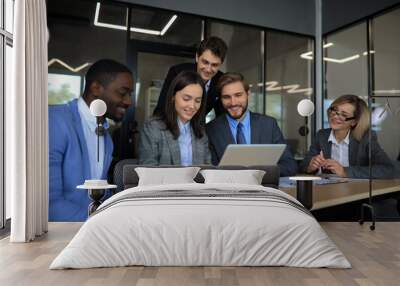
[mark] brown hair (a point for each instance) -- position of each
(231, 77)
(170, 115)
(216, 45)
(361, 113)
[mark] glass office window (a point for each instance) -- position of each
(289, 79)
(7, 94)
(243, 56)
(345, 58)
(63, 88)
(2, 193)
(160, 26)
(386, 113)
(87, 41)
(152, 70)
(387, 53)
(72, 53)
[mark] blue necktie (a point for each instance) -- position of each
(240, 139)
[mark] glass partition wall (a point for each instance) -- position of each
(386, 114)
(151, 40)
(245, 56)
(289, 79)
(345, 61)
(374, 76)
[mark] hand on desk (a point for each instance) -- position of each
(335, 167)
(319, 162)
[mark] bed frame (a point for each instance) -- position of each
(125, 176)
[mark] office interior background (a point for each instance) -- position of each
(274, 44)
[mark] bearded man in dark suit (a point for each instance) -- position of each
(240, 126)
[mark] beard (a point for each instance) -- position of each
(244, 109)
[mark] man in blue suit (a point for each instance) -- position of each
(72, 139)
(240, 126)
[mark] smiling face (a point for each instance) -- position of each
(339, 117)
(234, 99)
(116, 95)
(188, 101)
(208, 65)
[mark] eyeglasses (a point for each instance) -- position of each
(333, 111)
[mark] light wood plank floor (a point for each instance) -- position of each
(375, 257)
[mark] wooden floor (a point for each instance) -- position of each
(374, 255)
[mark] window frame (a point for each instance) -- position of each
(6, 39)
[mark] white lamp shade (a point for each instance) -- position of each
(98, 107)
(305, 107)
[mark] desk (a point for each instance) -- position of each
(341, 193)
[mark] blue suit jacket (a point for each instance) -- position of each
(69, 163)
(264, 130)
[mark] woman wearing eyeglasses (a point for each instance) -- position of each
(343, 148)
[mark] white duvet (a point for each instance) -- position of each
(207, 230)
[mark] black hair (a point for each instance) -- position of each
(104, 72)
(216, 45)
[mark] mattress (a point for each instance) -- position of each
(201, 225)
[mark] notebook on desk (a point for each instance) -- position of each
(284, 182)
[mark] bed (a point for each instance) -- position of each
(200, 224)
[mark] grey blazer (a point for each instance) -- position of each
(382, 166)
(264, 130)
(157, 146)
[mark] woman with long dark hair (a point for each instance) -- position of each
(343, 149)
(178, 137)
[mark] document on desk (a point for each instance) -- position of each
(285, 182)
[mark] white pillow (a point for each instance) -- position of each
(166, 176)
(248, 177)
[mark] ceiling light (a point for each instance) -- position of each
(132, 29)
(366, 53)
(54, 60)
(389, 91)
(309, 56)
(292, 88)
(170, 22)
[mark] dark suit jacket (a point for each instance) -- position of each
(213, 100)
(264, 130)
(382, 166)
(157, 146)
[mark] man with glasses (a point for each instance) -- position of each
(209, 57)
(240, 126)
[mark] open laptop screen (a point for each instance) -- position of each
(252, 154)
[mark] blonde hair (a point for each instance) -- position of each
(361, 113)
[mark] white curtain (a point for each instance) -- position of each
(26, 123)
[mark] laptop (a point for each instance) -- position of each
(252, 154)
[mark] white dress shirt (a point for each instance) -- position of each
(340, 151)
(89, 125)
